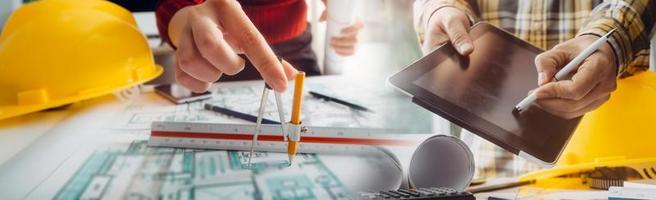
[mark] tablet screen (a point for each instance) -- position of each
(479, 92)
(483, 86)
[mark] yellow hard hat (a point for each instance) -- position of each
(623, 128)
(622, 132)
(56, 52)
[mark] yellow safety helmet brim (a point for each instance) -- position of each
(623, 128)
(13, 111)
(622, 132)
(56, 52)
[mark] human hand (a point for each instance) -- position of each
(448, 24)
(589, 87)
(345, 43)
(209, 36)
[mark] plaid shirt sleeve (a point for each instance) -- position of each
(633, 19)
(545, 23)
(424, 9)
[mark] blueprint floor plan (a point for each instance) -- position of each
(139, 172)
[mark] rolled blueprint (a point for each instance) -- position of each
(341, 14)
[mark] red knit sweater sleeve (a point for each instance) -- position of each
(277, 20)
(165, 11)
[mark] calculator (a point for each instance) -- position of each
(419, 193)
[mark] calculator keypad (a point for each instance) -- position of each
(419, 193)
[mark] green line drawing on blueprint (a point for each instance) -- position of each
(139, 116)
(391, 109)
(244, 99)
(139, 172)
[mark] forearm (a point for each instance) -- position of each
(632, 19)
(424, 9)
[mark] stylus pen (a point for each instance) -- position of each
(237, 114)
(339, 101)
(565, 71)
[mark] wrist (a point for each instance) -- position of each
(606, 49)
(616, 41)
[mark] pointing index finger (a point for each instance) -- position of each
(234, 21)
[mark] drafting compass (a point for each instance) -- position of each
(294, 125)
(260, 114)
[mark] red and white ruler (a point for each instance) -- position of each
(239, 137)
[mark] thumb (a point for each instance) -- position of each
(547, 62)
(456, 28)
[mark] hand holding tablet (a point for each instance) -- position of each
(478, 92)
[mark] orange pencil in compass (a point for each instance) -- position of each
(294, 136)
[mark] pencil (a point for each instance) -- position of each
(339, 101)
(292, 142)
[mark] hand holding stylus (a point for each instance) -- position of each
(593, 79)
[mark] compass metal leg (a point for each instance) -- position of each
(258, 123)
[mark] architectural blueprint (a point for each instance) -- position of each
(390, 109)
(139, 172)
(167, 173)
(100, 152)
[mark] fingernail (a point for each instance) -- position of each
(540, 77)
(464, 47)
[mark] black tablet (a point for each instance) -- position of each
(478, 92)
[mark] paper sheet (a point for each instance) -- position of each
(136, 171)
(391, 110)
(93, 154)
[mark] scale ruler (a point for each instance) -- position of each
(239, 137)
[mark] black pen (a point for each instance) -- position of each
(339, 101)
(237, 114)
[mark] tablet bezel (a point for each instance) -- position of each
(468, 120)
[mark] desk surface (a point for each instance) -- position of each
(17, 135)
(54, 146)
